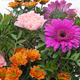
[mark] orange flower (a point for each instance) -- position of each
(38, 74)
(13, 73)
(31, 3)
(19, 0)
(64, 76)
(38, 0)
(33, 54)
(19, 50)
(45, 1)
(13, 4)
(3, 20)
(19, 59)
(2, 73)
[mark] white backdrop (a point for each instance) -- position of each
(4, 3)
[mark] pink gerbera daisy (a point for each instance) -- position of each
(62, 32)
(59, 10)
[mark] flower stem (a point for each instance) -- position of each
(27, 70)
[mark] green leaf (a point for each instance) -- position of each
(68, 54)
(55, 55)
(50, 70)
(42, 66)
(38, 69)
(19, 35)
(20, 12)
(44, 71)
(1, 16)
(78, 62)
(75, 56)
(42, 37)
(40, 45)
(38, 10)
(20, 46)
(14, 36)
(21, 41)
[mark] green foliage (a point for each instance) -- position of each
(52, 62)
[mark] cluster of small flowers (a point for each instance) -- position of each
(26, 4)
(20, 57)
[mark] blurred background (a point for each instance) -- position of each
(4, 3)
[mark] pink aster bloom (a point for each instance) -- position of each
(2, 61)
(30, 21)
(62, 10)
(62, 33)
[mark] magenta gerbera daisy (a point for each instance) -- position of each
(62, 33)
(58, 10)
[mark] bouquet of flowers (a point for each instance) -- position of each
(40, 43)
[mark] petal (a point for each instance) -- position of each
(66, 6)
(56, 46)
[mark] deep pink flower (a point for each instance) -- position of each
(2, 61)
(62, 10)
(30, 21)
(62, 33)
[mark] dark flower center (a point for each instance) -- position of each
(62, 35)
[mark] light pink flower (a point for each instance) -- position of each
(2, 61)
(30, 21)
(77, 12)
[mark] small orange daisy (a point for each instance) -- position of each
(38, 0)
(45, 1)
(64, 76)
(33, 54)
(18, 0)
(19, 59)
(3, 20)
(31, 3)
(38, 74)
(2, 73)
(13, 4)
(13, 73)
(19, 50)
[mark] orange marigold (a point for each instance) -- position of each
(2, 73)
(3, 20)
(13, 4)
(64, 76)
(13, 73)
(19, 50)
(19, 59)
(31, 3)
(45, 1)
(38, 74)
(33, 54)
(18, 0)
(38, 0)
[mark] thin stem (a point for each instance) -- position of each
(29, 42)
(35, 40)
(41, 6)
(27, 70)
(65, 64)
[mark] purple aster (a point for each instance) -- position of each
(58, 10)
(62, 33)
